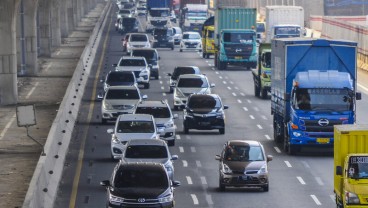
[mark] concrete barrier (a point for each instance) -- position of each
(44, 185)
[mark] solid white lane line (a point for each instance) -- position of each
(194, 198)
(32, 90)
(198, 163)
(185, 163)
(259, 126)
(239, 101)
(277, 149)
(181, 149)
(252, 117)
(319, 181)
(193, 149)
(178, 136)
(203, 180)
(245, 108)
(268, 137)
(209, 199)
(189, 180)
(7, 126)
(229, 88)
(315, 199)
(300, 179)
(288, 164)
(234, 94)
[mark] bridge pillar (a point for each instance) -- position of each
(55, 23)
(44, 14)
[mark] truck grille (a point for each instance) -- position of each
(158, 22)
(313, 126)
(238, 51)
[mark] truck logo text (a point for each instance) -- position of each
(323, 122)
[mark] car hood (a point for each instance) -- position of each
(135, 193)
(130, 136)
(191, 90)
(244, 166)
(161, 120)
(191, 40)
(130, 68)
(122, 102)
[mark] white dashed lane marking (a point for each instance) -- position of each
(194, 198)
(268, 137)
(198, 163)
(209, 199)
(181, 149)
(234, 94)
(288, 164)
(189, 180)
(245, 108)
(300, 179)
(315, 199)
(319, 181)
(252, 117)
(259, 126)
(239, 101)
(229, 88)
(277, 149)
(203, 180)
(193, 149)
(185, 163)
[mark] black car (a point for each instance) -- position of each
(140, 184)
(163, 38)
(128, 25)
(119, 78)
(204, 112)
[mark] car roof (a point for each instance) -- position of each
(244, 142)
(123, 87)
(138, 34)
(215, 96)
(130, 117)
(133, 57)
(184, 76)
(152, 103)
(157, 142)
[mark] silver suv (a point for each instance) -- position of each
(164, 118)
(120, 100)
(128, 127)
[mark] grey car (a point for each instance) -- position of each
(243, 163)
(150, 150)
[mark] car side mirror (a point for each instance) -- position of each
(338, 170)
(114, 65)
(174, 157)
(150, 66)
(358, 95)
(100, 96)
(110, 131)
(144, 97)
(217, 157)
(212, 85)
(176, 183)
(269, 158)
(175, 116)
(226, 107)
(105, 183)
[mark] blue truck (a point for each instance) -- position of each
(158, 14)
(235, 37)
(313, 88)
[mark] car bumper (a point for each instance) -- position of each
(141, 205)
(193, 48)
(207, 123)
(241, 180)
(163, 44)
(167, 134)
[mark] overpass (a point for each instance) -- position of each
(30, 29)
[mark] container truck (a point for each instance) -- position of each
(193, 16)
(235, 37)
(284, 22)
(262, 74)
(208, 35)
(158, 14)
(313, 88)
(351, 165)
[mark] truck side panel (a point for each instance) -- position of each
(159, 4)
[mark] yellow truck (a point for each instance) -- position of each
(208, 38)
(351, 165)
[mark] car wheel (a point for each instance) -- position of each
(172, 48)
(265, 188)
(156, 77)
(222, 131)
(171, 90)
(171, 142)
(264, 94)
(222, 186)
(204, 55)
(256, 90)
(104, 121)
(176, 107)
(181, 50)
(207, 55)
(146, 85)
(186, 130)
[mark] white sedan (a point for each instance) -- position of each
(191, 41)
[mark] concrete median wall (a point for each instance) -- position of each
(43, 187)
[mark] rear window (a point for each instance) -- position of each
(146, 151)
(132, 62)
(120, 77)
(156, 112)
(140, 178)
(124, 11)
(138, 38)
(193, 82)
(136, 127)
(182, 70)
(204, 102)
(191, 36)
(122, 94)
(148, 54)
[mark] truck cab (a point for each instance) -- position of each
(262, 74)
(287, 31)
(158, 18)
(193, 16)
(208, 41)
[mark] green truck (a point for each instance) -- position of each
(351, 165)
(262, 74)
(235, 37)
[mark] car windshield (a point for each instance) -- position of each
(239, 37)
(193, 82)
(113, 94)
(204, 102)
(138, 38)
(211, 34)
(146, 151)
(191, 36)
(358, 167)
(132, 62)
(148, 54)
(136, 127)
(159, 13)
(124, 11)
(141, 178)
(119, 77)
(156, 112)
(323, 99)
(129, 21)
(242, 153)
(182, 70)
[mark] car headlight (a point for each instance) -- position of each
(115, 200)
(226, 169)
(115, 139)
(179, 94)
(106, 106)
(127, 107)
(351, 198)
(148, 45)
(169, 124)
(263, 169)
(129, 45)
(168, 198)
(189, 115)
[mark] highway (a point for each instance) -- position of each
(304, 180)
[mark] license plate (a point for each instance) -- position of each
(323, 140)
(238, 57)
(204, 123)
(196, 28)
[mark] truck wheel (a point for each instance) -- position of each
(277, 130)
(186, 130)
(204, 55)
(207, 55)
(171, 142)
(256, 90)
(264, 93)
(222, 131)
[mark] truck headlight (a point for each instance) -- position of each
(296, 134)
(351, 198)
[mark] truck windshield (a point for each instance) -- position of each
(193, 14)
(261, 27)
(159, 13)
(287, 31)
(239, 37)
(323, 99)
(358, 167)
